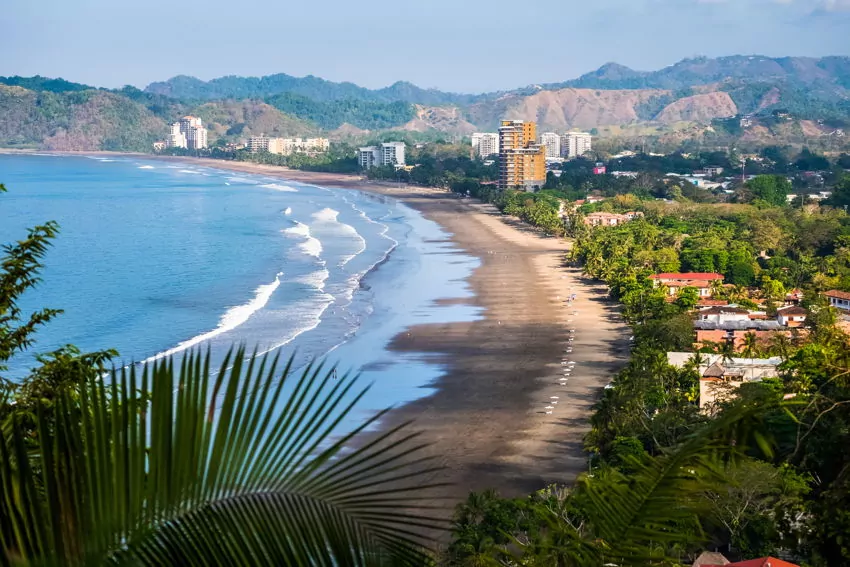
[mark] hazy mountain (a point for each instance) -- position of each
(184, 87)
(687, 97)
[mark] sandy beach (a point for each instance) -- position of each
(487, 422)
(512, 407)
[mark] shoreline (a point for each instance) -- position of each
(486, 420)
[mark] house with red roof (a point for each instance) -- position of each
(701, 281)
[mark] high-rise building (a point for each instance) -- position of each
(522, 161)
(176, 139)
(392, 153)
(485, 143)
(552, 141)
(575, 144)
(388, 153)
(189, 132)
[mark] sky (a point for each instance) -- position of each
(454, 45)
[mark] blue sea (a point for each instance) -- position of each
(158, 257)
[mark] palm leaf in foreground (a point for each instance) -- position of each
(172, 466)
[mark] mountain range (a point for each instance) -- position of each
(694, 97)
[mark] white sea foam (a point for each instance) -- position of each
(232, 318)
(279, 187)
(307, 314)
(310, 244)
(331, 217)
(315, 279)
(146, 167)
(189, 171)
(287, 211)
(242, 180)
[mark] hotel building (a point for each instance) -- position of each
(575, 144)
(522, 161)
(485, 144)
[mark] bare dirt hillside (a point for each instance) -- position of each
(443, 118)
(566, 108)
(699, 108)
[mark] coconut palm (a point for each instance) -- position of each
(177, 465)
(751, 347)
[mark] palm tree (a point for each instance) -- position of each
(175, 465)
(751, 346)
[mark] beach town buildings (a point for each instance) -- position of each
(176, 139)
(730, 324)
(552, 142)
(575, 144)
(287, 146)
(720, 376)
(702, 282)
(610, 219)
(388, 153)
(485, 144)
(522, 161)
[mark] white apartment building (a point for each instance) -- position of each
(189, 133)
(176, 139)
(388, 153)
(287, 146)
(552, 141)
(485, 143)
(575, 144)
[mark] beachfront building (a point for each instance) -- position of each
(287, 146)
(732, 325)
(522, 161)
(702, 282)
(188, 132)
(552, 142)
(485, 144)
(176, 139)
(575, 144)
(388, 153)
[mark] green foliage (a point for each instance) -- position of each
(46, 84)
(772, 189)
(366, 114)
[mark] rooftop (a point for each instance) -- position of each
(837, 294)
(707, 276)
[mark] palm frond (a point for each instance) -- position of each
(174, 465)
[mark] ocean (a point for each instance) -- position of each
(155, 258)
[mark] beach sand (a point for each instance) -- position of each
(487, 423)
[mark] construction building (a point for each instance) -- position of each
(522, 161)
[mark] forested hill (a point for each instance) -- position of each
(185, 87)
(694, 100)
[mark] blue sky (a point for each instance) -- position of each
(459, 45)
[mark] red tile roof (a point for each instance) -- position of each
(793, 310)
(837, 294)
(761, 562)
(711, 302)
(688, 276)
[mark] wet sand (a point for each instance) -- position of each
(487, 421)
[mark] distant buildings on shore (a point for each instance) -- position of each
(287, 146)
(522, 161)
(188, 133)
(568, 145)
(388, 153)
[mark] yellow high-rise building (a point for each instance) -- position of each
(522, 161)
